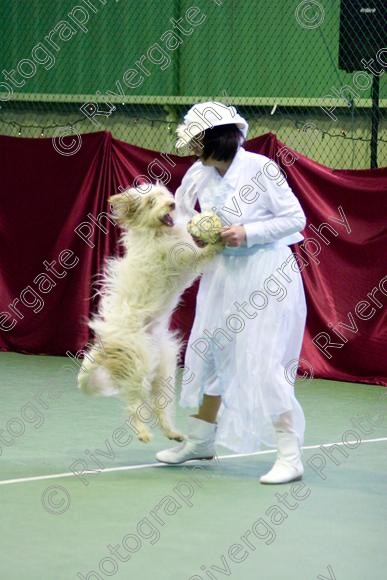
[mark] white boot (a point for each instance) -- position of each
(199, 444)
(288, 466)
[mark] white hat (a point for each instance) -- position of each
(204, 116)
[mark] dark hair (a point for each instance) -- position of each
(222, 142)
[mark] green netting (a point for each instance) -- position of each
(144, 62)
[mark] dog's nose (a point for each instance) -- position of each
(172, 205)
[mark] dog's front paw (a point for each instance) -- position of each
(211, 250)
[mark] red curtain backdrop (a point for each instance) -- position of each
(55, 235)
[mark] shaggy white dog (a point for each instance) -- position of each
(140, 292)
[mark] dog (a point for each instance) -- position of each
(140, 291)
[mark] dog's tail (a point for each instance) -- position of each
(94, 379)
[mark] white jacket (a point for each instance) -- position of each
(253, 192)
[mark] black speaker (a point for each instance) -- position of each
(363, 32)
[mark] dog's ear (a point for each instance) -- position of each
(160, 185)
(150, 201)
(118, 198)
(123, 204)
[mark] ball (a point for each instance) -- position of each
(206, 227)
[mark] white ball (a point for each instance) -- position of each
(206, 226)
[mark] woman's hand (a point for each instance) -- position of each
(234, 236)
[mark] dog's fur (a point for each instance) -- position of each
(140, 292)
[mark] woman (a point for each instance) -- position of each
(249, 323)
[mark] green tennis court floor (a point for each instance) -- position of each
(130, 517)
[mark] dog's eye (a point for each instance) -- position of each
(151, 201)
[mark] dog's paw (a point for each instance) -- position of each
(174, 436)
(145, 437)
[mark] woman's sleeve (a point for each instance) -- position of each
(186, 197)
(287, 214)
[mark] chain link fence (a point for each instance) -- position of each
(134, 67)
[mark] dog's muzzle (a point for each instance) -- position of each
(167, 220)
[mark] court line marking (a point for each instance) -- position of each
(145, 465)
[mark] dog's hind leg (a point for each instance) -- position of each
(140, 417)
(131, 368)
(163, 387)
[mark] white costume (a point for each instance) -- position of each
(250, 319)
(249, 323)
